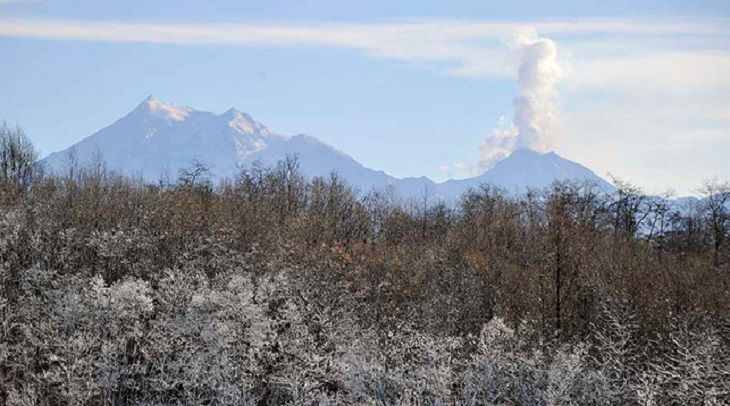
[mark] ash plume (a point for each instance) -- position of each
(534, 121)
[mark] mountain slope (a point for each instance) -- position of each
(525, 168)
(157, 139)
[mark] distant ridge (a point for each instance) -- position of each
(156, 139)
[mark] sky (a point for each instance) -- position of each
(641, 90)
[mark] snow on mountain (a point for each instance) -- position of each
(157, 139)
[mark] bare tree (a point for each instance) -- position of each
(197, 174)
(630, 208)
(71, 164)
(17, 158)
(717, 214)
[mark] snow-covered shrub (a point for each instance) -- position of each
(694, 368)
(617, 352)
(501, 372)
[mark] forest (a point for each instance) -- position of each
(272, 289)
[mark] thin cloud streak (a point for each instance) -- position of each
(340, 34)
(462, 48)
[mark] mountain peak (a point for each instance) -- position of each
(232, 113)
(156, 108)
(526, 167)
(244, 122)
(525, 152)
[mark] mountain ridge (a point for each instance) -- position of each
(157, 138)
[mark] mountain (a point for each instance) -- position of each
(156, 139)
(526, 168)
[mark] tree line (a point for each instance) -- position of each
(272, 288)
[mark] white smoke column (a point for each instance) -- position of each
(534, 122)
(535, 108)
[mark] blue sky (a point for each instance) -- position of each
(412, 88)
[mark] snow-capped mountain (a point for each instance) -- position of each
(157, 139)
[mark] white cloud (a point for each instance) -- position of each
(657, 119)
(623, 52)
(461, 166)
(667, 71)
(465, 48)
(457, 170)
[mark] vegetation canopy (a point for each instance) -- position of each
(274, 289)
